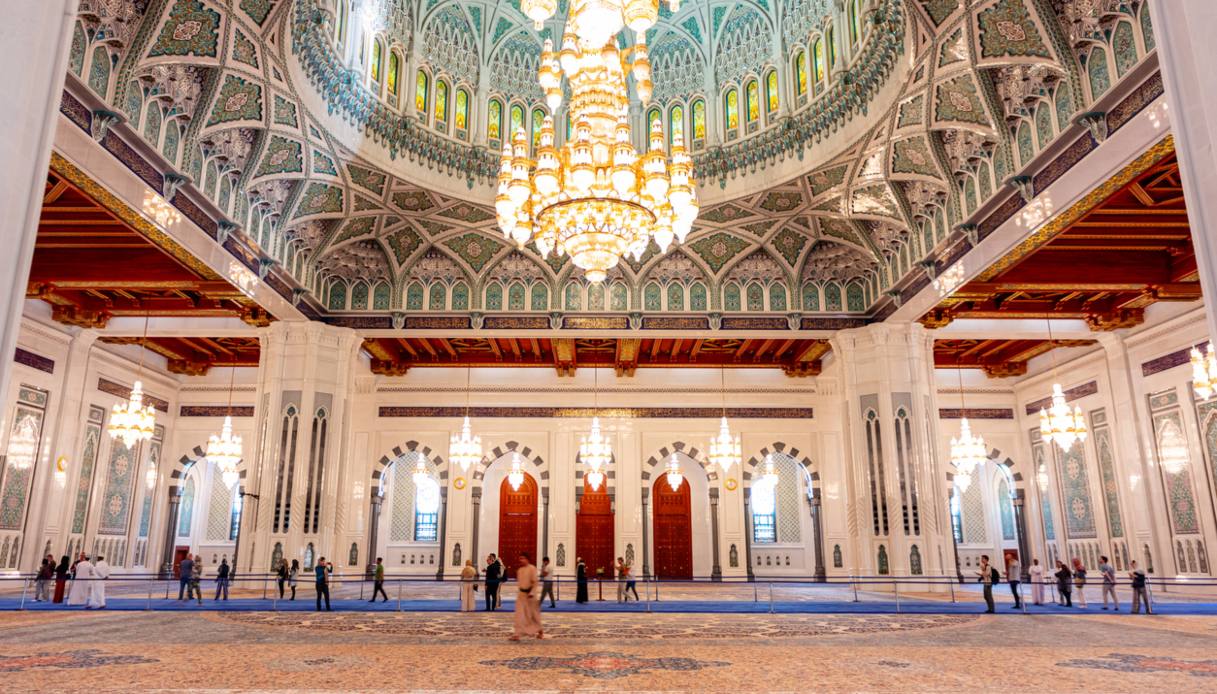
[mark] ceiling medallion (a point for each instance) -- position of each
(595, 198)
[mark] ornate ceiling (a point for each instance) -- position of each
(822, 203)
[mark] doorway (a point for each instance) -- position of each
(594, 531)
(517, 522)
(673, 530)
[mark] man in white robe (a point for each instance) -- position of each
(79, 594)
(97, 587)
(528, 606)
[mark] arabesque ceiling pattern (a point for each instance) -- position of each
(221, 88)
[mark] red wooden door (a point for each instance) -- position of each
(673, 530)
(179, 553)
(517, 523)
(594, 531)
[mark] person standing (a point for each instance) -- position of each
(621, 571)
(195, 588)
(1063, 583)
(1139, 593)
(469, 585)
(528, 607)
(1037, 582)
(293, 575)
(580, 581)
(97, 587)
(494, 574)
(281, 572)
(222, 579)
(378, 580)
(42, 583)
(61, 577)
(81, 577)
(1079, 581)
(1014, 577)
(547, 582)
(323, 569)
(1109, 583)
(988, 576)
(185, 571)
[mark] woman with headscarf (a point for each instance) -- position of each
(61, 577)
(1063, 582)
(528, 606)
(580, 581)
(1079, 581)
(469, 584)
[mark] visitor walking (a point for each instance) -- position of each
(195, 589)
(494, 574)
(1079, 581)
(988, 576)
(222, 574)
(1109, 583)
(185, 571)
(281, 572)
(528, 607)
(1063, 583)
(97, 586)
(42, 582)
(378, 580)
(293, 575)
(82, 572)
(61, 577)
(621, 572)
(1037, 582)
(631, 586)
(469, 585)
(547, 582)
(323, 569)
(1139, 592)
(1014, 577)
(580, 581)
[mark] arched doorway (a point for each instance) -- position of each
(594, 530)
(517, 522)
(673, 529)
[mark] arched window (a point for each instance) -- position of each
(619, 297)
(414, 297)
(855, 23)
(186, 506)
(777, 297)
(441, 105)
(359, 296)
(460, 297)
(752, 102)
(438, 298)
(538, 120)
(832, 47)
(595, 297)
(676, 125)
(426, 509)
(460, 117)
(392, 82)
(494, 122)
(338, 296)
(517, 120)
(699, 123)
(173, 137)
(573, 296)
(1005, 507)
(697, 297)
(764, 512)
(811, 297)
(152, 123)
(340, 27)
(771, 93)
(378, 50)
(817, 59)
(380, 297)
(539, 297)
(800, 74)
(756, 297)
(653, 117)
(731, 297)
(652, 297)
(421, 87)
(676, 297)
(515, 297)
(731, 113)
(494, 297)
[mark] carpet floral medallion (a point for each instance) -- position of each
(1127, 662)
(605, 664)
(68, 660)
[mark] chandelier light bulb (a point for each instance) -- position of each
(516, 477)
(963, 480)
(132, 421)
(1061, 425)
(968, 451)
(674, 475)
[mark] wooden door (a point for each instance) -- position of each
(673, 530)
(517, 523)
(179, 553)
(594, 531)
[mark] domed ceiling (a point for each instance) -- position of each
(838, 144)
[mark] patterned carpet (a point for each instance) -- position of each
(126, 651)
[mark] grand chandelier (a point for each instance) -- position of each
(1204, 372)
(724, 450)
(1060, 424)
(674, 475)
(132, 421)
(595, 197)
(516, 477)
(968, 451)
(465, 449)
(226, 449)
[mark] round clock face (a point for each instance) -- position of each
(459, 483)
(731, 484)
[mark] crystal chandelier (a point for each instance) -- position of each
(465, 449)
(725, 450)
(968, 451)
(516, 477)
(132, 421)
(595, 450)
(595, 197)
(226, 449)
(1058, 423)
(420, 472)
(1204, 372)
(674, 475)
(770, 474)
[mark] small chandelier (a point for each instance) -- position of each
(1204, 372)
(674, 475)
(1060, 424)
(225, 450)
(420, 472)
(516, 477)
(595, 198)
(770, 474)
(724, 450)
(465, 449)
(595, 451)
(968, 451)
(133, 421)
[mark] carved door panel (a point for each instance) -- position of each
(517, 522)
(673, 530)
(594, 531)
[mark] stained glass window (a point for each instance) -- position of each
(676, 125)
(752, 98)
(420, 92)
(800, 73)
(378, 50)
(538, 119)
(731, 101)
(438, 299)
(394, 69)
(595, 297)
(494, 121)
(515, 297)
(517, 120)
(699, 120)
(462, 110)
(855, 27)
(653, 117)
(832, 47)
(771, 91)
(441, 101)
(341, 25)
(817, 59)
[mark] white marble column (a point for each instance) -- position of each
(34, 40)
(1184, 30)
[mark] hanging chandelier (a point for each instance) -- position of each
(595, 198)
(770, 474)
(516, 477)
(1060, 424)
(595, 450)
(226, 449)
(133, 421)
(674, 475)
(1204, 372)
(724, 450)
(420, 472)
(968, 451)
(465, 449)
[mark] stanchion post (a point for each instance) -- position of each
(755, 595)
(952, 584)
(149, 607)
(1021, 599)
(770, 598)
(25, 586)
(399, 595)
(646, 588)
(854, 583)
(896, 590)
